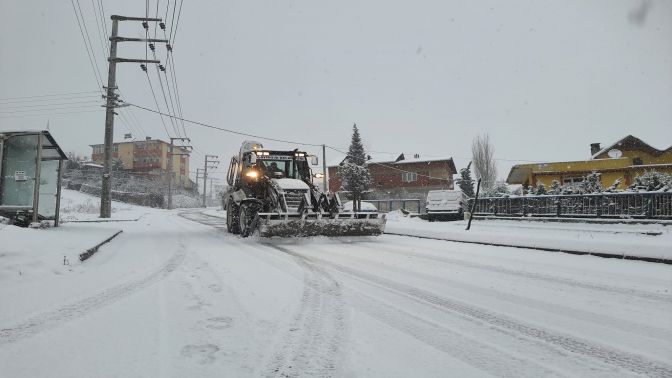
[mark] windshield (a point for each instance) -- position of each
(283, 168)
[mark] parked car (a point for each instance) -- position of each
(366, 206)
(446, 205)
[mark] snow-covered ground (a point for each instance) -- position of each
(81, 207)
(175, 295)
(644, 240)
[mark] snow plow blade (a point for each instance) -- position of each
(344, 224)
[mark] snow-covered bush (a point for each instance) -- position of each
(499, 189)
(556, 188)
(540, 190)
(614, 187)
(592, 183)
(652, 181)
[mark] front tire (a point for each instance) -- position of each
(246, 219)
(232, 215)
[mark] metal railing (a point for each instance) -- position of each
(652, 205)
(387, 205)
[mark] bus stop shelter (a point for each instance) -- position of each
(30, 176)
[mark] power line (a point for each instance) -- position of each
(48, 114)
(50, 95)
(88, 37)
(224, 129)
(103, 44)
(43, 105)
(157, 105)
(59, 108)
(177, 23)
(96, 73)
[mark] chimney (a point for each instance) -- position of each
(594, 148)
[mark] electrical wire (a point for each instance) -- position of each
(96, 72)
(58, 108)
(43, 105)
(48, 114)
(88, 37)
(224, 129)
(157, 105)
(177, 23)
(68, 96)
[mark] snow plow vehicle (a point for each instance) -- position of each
(272, 193)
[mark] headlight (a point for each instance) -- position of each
(319, 175)
(252, 174)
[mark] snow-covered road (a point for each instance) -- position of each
(175, 295)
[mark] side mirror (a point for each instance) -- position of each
(253, 158)
(313, 160)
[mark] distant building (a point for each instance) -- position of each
(409, 176)
(623, 160)
(148, 158)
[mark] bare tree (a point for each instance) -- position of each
(482, 153)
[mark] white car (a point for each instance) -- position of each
(366, 207)
(445, 204)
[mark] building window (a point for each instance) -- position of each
(572, 182)
(409, 177)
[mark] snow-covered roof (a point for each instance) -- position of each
(402, 158)
(631, 141)
(50, 143)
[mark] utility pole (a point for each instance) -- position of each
(199, 175)
(170, 166)
(324, 168)
(112, 99)
(214, 163)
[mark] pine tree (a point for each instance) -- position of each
(354, 174)
(466, 183)
(556, 188)
(541, 189)
(356, 152)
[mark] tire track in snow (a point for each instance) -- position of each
(205, 219)
(468, 350)
(312, 345)
(538, 276)
(314, 340)
(600, 319)
(52, 319)
(625, 360)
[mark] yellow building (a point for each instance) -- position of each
(625, 160)
(149, 158)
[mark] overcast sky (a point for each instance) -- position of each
(543, 78)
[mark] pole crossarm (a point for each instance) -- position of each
(126, 18)
(125, 60)
(126, 39)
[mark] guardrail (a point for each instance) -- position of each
(387, 205)
(651, 205)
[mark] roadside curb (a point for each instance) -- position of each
(546, 249)
(104, 220)
(662, 222)
(91, 251)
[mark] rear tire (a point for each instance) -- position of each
(246, 219)
(232, 215)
